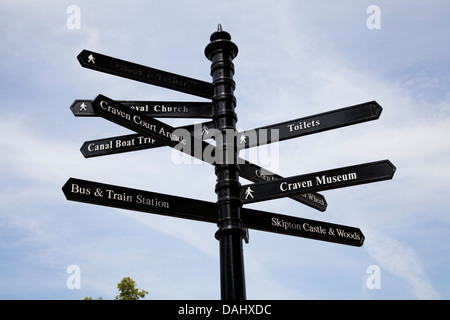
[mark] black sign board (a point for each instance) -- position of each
(255, 173)
(324, 180)
(299, 227)
(139, 200)
(134, 71)
(312, 124)
(133, 142)
(186, 208)
(119, 144)
(157, 109)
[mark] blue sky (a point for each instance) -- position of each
(295, 59)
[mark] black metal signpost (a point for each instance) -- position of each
(228, 213)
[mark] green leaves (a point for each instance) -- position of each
(128, 291)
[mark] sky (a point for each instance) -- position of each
(295, 59)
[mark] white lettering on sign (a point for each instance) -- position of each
(338, 178)
(145, 140)
(124, 143)
(320, 180)
(286, 224)
(119, 143)
(154, 202)
(163, 109)
(123, 196)
(347, 235)
(302, 125)
(140, 108)
(264, 177)
(100, 147)
(316, 229)
(284, 186)
(118, 196)
(145, 124)
(105, 106)
(313, 197)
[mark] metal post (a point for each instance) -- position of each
(221, 51)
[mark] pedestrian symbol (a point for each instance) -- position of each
(91, 59)
(249, 192)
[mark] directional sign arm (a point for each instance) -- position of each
(139, 200)
(131, 142)
(157, 109)
(318, 181)
(299, 227)
(313, 124)
(129, 70)
(119, 144)
(255, 173)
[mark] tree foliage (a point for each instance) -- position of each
(127, 291)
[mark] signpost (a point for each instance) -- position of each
(232, 219)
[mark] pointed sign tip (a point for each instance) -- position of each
(394, 168)
(377, 109)
(66, 187)
(81, 57)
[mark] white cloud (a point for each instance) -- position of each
(402, 261)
